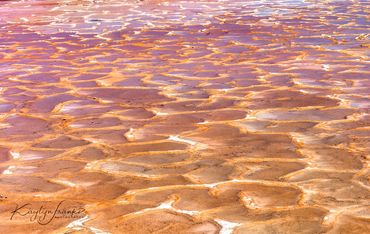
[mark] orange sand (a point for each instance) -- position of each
(185, 116)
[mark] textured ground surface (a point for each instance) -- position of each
(186, 116)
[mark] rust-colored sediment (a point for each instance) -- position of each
(186, 116)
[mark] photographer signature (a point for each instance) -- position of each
(44, 216)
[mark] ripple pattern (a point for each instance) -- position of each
(222, 116)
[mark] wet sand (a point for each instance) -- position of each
(185, 116)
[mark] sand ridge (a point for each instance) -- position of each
(186, 116)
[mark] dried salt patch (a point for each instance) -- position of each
(130, 134)
(125, 202)
(23, 170)
(13, 78)
(61, 49)
(237, 180)
(171, 94)
(356, 116)
(249, 201)
(4, 125)
(302, 139)
(43, 195)
(297, 139)
(144, 175)
(67, 108)
(330, 217)
(79, 223)
(303, 91)
(188, 212)
(65, 182)
(226, 89)
(55, 8)
(362, 36)
(250, 117)
(337, 82)
(344, 102)
(159, 113)
(15, 155)
(31, 157)
(111, 166)
(211, 185)
(226, 226)
(91, 165)
(171, 33)
(105, 101)
(74, 125)
(104, 38)
(309, 191)
(326, 67)
(93, 140)
(166, 205)
(176, 138)
(310, 167)
(103, 82)
(150, 24)
(9, 170)
(98, 231)
(299, 83)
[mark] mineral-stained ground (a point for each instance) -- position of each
(219, 116)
